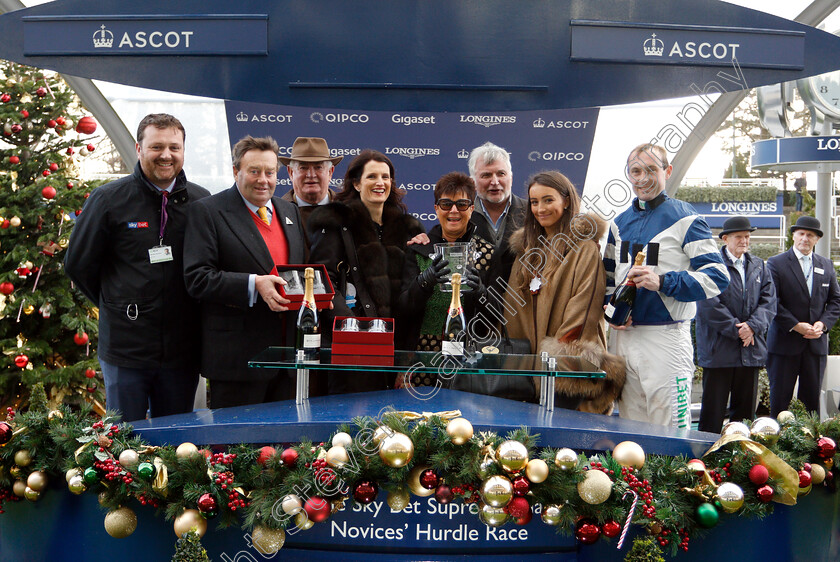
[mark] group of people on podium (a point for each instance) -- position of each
(186, 282)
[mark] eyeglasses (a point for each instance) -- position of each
(462, 204)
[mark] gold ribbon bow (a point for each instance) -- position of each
(427, 416)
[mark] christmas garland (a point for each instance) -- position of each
(269, 489)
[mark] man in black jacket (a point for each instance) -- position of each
(126, 255)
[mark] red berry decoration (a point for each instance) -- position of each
(587, 531)
(24, 113)
(365, 491)
(86, 126)
(7, 288)
(759, 475)
(207, 505)
(80, 339)
(317, 509)
(53, 167)
(5, 98)
(289, 457)
(91, 147)
(41, 92)
(429, 480)
(444, 494)
(520, 486)
(5, 433)
(765, 494)
(21, 360)
(518, 507)
(90, 373)
(826, 448)
(611, 529)
(14, 160)
(265, 454)
(804, 478)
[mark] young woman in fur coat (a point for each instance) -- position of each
(559, 283)
(361, 239)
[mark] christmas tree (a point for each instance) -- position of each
(47, 328)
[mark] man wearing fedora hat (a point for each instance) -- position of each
(808, 306)
(731, 329)
(310, 168)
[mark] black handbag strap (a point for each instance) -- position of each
(361, 291)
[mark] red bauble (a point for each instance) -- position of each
(16, 128)
(765, 493)
(86, 126)
(69, 185)
(5, 224)
(826, 448)
(207, 505)
(78, 212)
(80, 339)
(41, 92)
(45, 173)
(91, 387)
(317, 509)
(804, 478)
(520, 486)
(24, 113)
(365, 491)
(5, 433)
(428, 479)
(91, 147)
(53, 167)
(21, 360)
(90, 373)
(14, 160)
(7, 288)
(5, 98)
(524, 520)
(289, 457)
(61, 121)
(518, 507)
(265, 454)
(70, 151)
(51, 124)
(444, 494)
(759, 474)
(587, 531)
(611, 529)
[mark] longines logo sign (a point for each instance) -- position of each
(697, 45)
(146, 35)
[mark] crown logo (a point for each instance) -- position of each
(241, 116)
(654, 47)
(539, 123)
(463, 154)
(103, 38)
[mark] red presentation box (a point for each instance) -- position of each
(323, 295)
(363, 342)
(369, 359)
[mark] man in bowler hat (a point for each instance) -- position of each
(731, 331)
(808, 306)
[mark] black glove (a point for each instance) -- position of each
(437, 272)
(473, 280)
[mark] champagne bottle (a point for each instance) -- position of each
(622, 300)
(452, 342)
(308, 328)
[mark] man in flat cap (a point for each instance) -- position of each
(731, 331)
(310, 168)
(808, 306)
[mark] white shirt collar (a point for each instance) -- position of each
(301, 203)
(253, 207)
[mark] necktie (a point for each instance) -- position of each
(739, 265)
(263, 214)
(806, 269)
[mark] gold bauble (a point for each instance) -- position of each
(629, 453)
(802, 491)
(381, 433)
(654, 528)
(414, 482)
(267, 541)
(736, 428)
(817, 474)
(19, 488)
(492, 516)
(76, 485)
(63, 242)
(190, 519)
(35, 495)
(303, 522)
(785, 416)
(398, 498)
(512, 456)
(551, 514)
(337, 456)
(396, 450)
(765, 431)
(120, 522)
(595, 488)
(23, 458)
(15, 222)
(102, 498)
(536, 471)
(829, 463)
(566, 459)
(497, 491)
(186, 450)
(129, 459)
(291, 504)
(37, 481)
(342, 439)
(730, 496)
(55, 415)
(28, 309)
(71, 473)
(16, 472)
(460, 430)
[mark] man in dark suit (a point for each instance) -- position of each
(233, 242)
(808, 306)
(310, 169)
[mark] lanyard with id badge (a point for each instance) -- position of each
(161, 253)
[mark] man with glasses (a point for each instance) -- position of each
(310, 168)
(682, 266)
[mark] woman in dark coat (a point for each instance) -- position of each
(361, 239)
